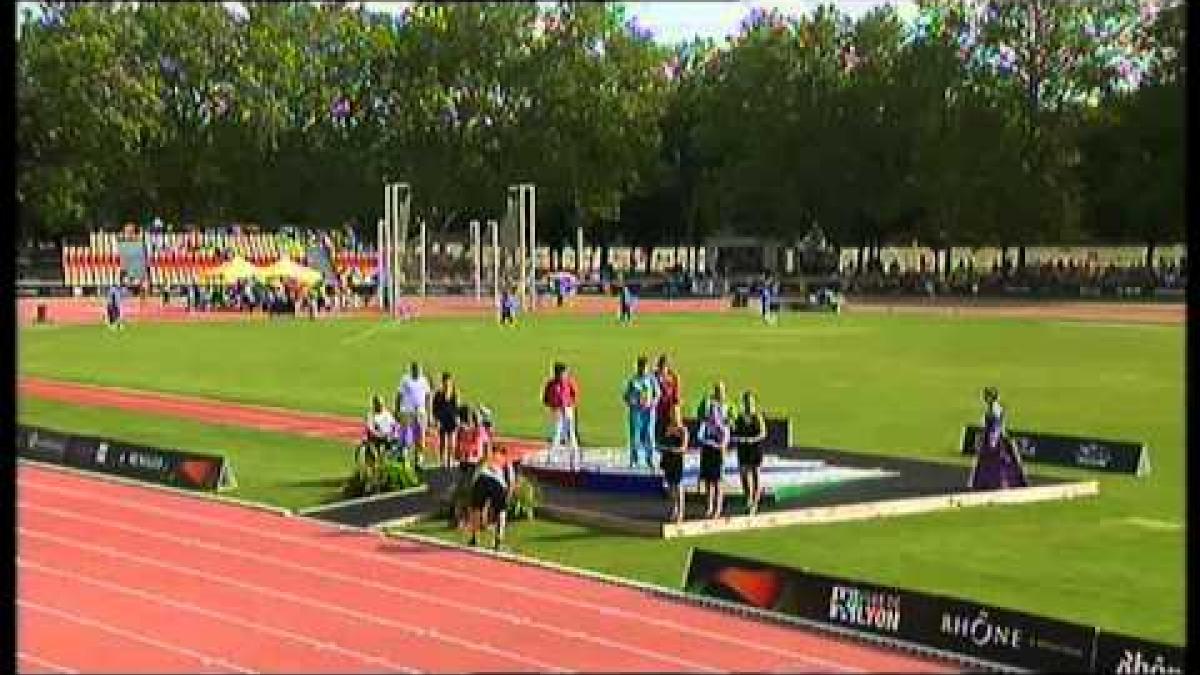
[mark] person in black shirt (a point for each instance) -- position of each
(749, 433)
(445, 414)
(674, 443)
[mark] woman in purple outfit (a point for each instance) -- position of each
(997, 462)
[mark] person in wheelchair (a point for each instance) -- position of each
(380, 434)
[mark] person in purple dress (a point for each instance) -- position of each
(997, 462)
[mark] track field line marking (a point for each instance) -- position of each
(458, 576)
(323, 645)
(109, 628)
(318, 604)
(364, 334)
(505, 617)
(1152, 523)
(43, 663)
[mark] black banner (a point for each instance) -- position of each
(959, 626)
(167, 467)
(1073, 451)
(42, 444)
(1122, 654)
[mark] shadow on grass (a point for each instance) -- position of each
(334, 482)
(555, 537)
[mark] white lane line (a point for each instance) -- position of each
(109, 628)
(504, 617)
(43, 663)
(466, 578)
(291, 597)
(322, 645)
(1153, 523)
(362, 335)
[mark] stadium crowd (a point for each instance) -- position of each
(1060, 278)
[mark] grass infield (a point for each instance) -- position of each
(901, 385)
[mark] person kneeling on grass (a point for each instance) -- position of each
(489, 496)
(472, 443)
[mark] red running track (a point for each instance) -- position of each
(120, 578)
(264, 418)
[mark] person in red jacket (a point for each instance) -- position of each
(561, 396)
(668, 383)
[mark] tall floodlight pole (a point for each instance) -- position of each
(397, 200)
(495, 258)
(530, 209)
(380, 262)
(513, 219)
(424, 257)
(579, 252)
(478, 255)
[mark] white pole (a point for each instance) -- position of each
(579, 252)
(424, 254)
(495, 259)
(379, 262)
(475, 244)
(532, 215)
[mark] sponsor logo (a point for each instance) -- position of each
(101, 453)
(869, 609)
(1025, 447)
(1133, 662)
(981, 631)
(145, 460)
(1093, 454)
(50, 444)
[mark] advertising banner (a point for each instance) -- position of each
(1125, 655)
(963, 627)
(167, 467)
(1074, 451)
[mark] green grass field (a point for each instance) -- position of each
(900, 385)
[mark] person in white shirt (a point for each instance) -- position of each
(413, 401)
(381, 426)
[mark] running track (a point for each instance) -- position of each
(176, 579)
(119, 578)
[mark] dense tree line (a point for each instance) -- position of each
(1003, 123)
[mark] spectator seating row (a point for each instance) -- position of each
(183, 257)
(87, 266)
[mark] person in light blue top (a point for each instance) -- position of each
(641, 396)
(627, 300)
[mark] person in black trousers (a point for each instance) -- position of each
(749, 434)
(673, 445)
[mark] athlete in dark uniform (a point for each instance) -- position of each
(672, 445)
(749, 433)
